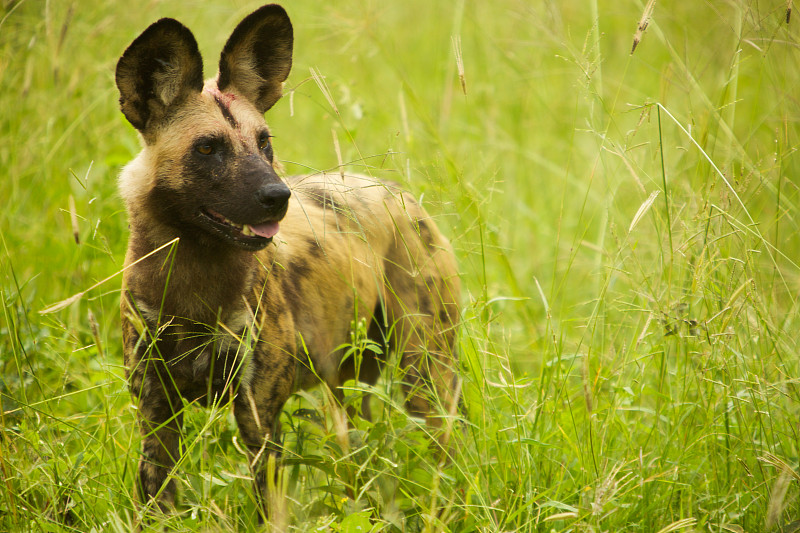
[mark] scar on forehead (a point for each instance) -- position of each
(224, 101)
(216, 93)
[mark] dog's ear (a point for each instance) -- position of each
(257, 58)
(157, 72)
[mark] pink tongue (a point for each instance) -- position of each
(266, 230)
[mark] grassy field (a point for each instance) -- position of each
(626, 226)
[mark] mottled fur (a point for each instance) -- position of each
(211, 311)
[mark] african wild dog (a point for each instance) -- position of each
(234, 290)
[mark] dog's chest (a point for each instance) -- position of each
(204, 360)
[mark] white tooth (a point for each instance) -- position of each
(247, 230)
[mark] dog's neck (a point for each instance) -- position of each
(188, 279)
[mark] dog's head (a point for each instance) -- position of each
(207, 164)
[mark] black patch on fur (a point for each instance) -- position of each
(291, 281)
(425, 303)
(347, 308)
(424, 231)
(162, 200)
(314, 249)
(290, 369)
(322, 198)
(257, 369)
(132, 340)
(290, 289)
(298, 268)
(226, 112)
(399, 282)
(377, 331)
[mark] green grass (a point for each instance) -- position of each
(626, 226)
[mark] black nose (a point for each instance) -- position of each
(274, 196)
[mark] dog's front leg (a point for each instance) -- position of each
(257, 407)
(159, 407)
(160, 421)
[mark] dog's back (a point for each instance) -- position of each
(355, 248)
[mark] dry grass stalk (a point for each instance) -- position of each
(643, 23)
(323, 87)
(73, 217)
(456, 39)
(776, 502)
(677, 526)
(338, 153)
(95, 332)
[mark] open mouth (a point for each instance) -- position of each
(248, 236)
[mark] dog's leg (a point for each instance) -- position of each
(422, 295)
(430, 383)
(432, 388)
(259, 426)
(159, 408)
(160, 420)
(257, 407)
(426, 342)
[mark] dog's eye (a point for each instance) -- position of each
(205, 148)
(263, 141)
(265, 145)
